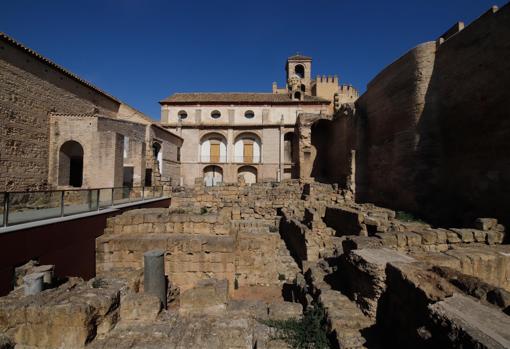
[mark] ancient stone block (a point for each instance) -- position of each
(209, 296)
(285, 310)
(495, 237)
(466, 235)
(485, 223)
(463, 322)
(140, 307)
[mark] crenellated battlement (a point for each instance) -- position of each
(348, 90)
(327, 79)
(460, 26)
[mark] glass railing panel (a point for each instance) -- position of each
(79, 201)
(105, 197)
(148, 193)
(34, 206)
(120, 195)
(94, 199)
(135, 194)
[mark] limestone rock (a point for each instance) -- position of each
(140, 307)
(209, 296)
(285, 310)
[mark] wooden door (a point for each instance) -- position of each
(248, 153)
(215, 152)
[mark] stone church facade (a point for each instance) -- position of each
(227, 135)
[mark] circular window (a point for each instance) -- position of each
(215, 114)
(182, 114)
(249, 114)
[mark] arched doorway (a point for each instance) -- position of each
(249, 173)
(70, 164)
(213, 175)
(158, 155)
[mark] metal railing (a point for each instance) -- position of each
(213, 159)
(31, 206)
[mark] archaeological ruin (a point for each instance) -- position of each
(309, 217)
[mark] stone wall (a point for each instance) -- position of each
(386, 281)
(30, 89)
(431, 131)
(102, 140)
(198, 246)
(225, 232)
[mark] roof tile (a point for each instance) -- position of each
(239, 98)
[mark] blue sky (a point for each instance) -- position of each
(141, 51)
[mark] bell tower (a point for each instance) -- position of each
(299, 72)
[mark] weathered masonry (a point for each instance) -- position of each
(58, 130)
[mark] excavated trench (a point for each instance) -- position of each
(380, 297)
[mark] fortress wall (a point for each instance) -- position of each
(388, 114)
(30, 88)
(434, 128)
(468, 103)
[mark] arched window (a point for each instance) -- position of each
(156, 147)
(182, 114)
(297, 95)
(299, 70)
(303, 88)
(249, 114)
(247, 148)
(249, 173)
(213, 175)
(215, 114)
(70, 164)
(213, 148)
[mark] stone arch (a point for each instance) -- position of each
(70, 164)
(158, 155)
(249, 173)
(320, 141)
(299, 70)
(213, 175)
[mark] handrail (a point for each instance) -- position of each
(75, 189)
(29, 206)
